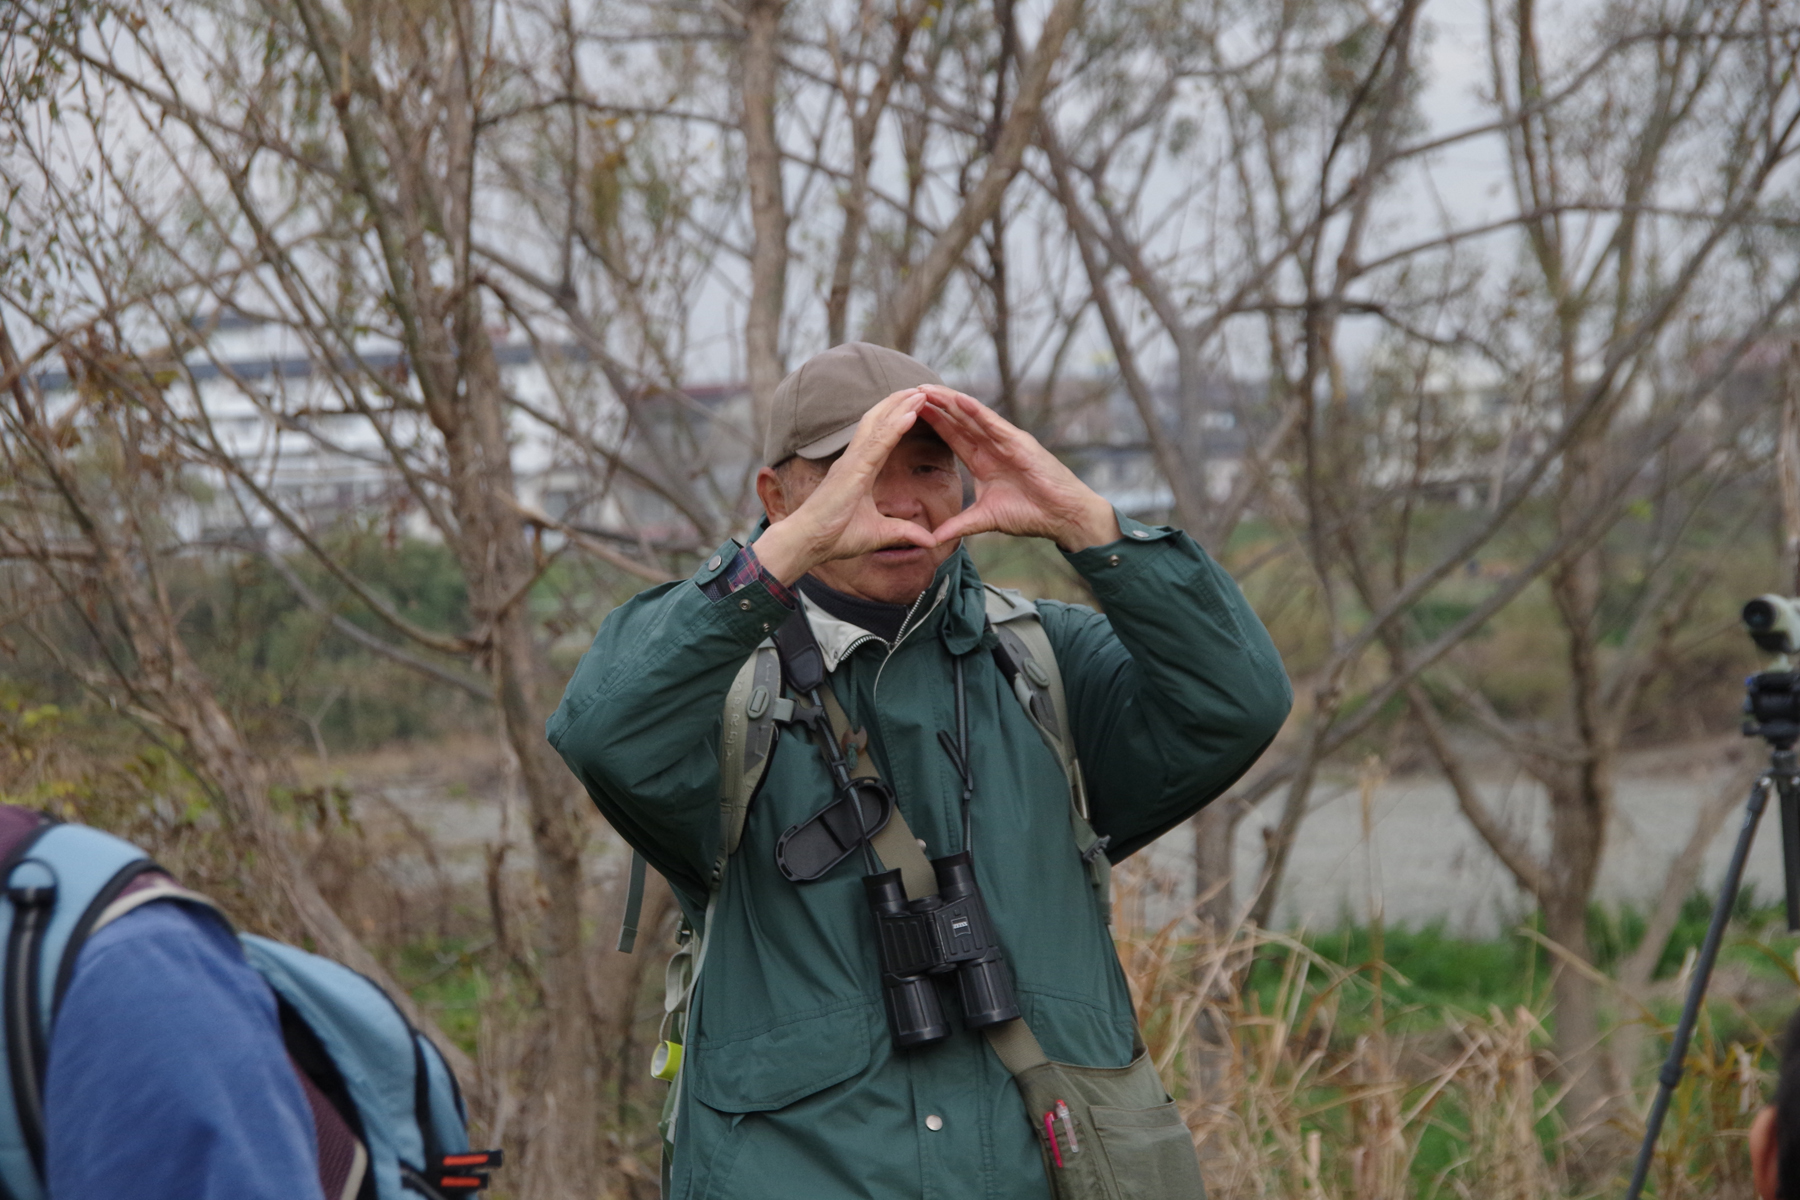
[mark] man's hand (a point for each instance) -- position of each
(1020, 487)
(839, 519)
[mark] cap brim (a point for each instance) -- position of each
(828, 445)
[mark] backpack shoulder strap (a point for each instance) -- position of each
(1015, 620)
(61, 882)
(893, 843)
(146, 888)
(1029, 663)
(753, 707)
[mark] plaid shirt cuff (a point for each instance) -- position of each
(746, 569)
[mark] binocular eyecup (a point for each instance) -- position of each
(922, 940)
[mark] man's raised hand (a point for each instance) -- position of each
(839, 519)
(1020, 487)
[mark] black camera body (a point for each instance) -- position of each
(923, 940)
(1772, 708)
(1772, 712)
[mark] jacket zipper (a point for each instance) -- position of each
(907, 626)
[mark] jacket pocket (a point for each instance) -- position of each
(778, 1065)
(1150, 1151)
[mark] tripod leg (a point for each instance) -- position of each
(1670, 1075)
(1788, 796)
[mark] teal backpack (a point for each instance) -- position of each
(388, 1111)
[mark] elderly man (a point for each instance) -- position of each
(820, 1060)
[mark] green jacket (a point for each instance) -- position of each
(791, 1086)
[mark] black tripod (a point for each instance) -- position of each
(1772, 712)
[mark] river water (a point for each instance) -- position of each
(1422, 861)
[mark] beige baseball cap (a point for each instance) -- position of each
(815, 409)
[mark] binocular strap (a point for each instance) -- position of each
(813, 847)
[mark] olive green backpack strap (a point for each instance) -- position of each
(634, 904)
(1038, 684)
(1015, 1046)
(753, 706)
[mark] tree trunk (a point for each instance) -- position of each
(768, 207)
(618, 982)
(449, 347)
(1788, 469)
(1578, 812)
(1215, 887)
(562, 1156)
(562, 1159)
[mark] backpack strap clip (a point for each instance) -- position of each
(460, 1174)
(634, 904)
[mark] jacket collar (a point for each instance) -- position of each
(956, 608)
(836, 637)
(965, 618)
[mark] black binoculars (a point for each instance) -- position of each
(923, 940)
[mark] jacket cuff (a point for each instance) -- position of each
(725, 573)
(732, 578)
(1115, 561)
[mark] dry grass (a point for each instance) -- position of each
(1309, 1089)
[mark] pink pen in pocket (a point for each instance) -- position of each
(1050, 1132)
(1068, 1124)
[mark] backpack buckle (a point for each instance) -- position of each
(463, 1173)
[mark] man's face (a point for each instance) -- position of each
(918, 483)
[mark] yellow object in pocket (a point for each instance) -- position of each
(665, 1063)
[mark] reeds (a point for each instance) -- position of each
(1299, 1078)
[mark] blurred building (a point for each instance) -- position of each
(648, 469)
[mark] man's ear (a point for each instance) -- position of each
(1765, 1155)
(773, 495)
